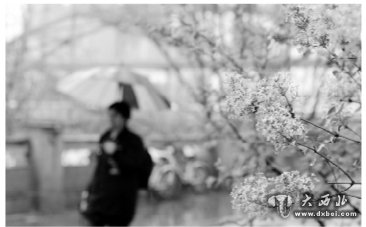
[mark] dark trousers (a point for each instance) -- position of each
(109, 220)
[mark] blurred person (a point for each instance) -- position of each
(123, 167)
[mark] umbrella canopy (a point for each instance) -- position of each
(97, 88)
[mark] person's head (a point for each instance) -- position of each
(119, 113)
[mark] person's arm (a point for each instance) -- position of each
(145, 169)
(95, 156)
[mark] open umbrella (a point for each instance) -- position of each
(97, 88)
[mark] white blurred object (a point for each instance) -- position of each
(158, 153)
(109, 147)
(165, 179)
(76, 157)
(196, 174)
(190, 150)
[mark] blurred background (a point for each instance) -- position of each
(66, 63)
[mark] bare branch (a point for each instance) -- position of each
(330, 161)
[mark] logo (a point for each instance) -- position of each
(283, 203)
(310, 207)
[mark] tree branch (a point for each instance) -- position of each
(330, 132)
(330, 161)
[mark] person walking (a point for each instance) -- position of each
(123, 167)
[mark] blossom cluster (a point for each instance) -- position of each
(343, 87)
(310, 25)
(269, 101)
(251, 195)
(332, 27)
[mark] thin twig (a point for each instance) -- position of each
(330, 132)
(354, 132)
(343, 182)
(349, 203)
(330, 161)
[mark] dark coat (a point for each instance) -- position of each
(115, 195)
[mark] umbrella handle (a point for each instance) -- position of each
(120, 86)
(128, 94)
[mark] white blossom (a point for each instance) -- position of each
(250, 195)
(269, 101)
